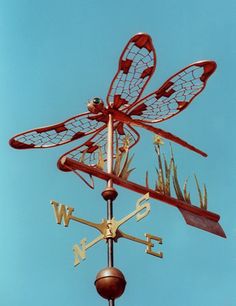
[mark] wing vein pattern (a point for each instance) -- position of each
(95, 148)
(136, 66)
(58, 134)
(175, 94)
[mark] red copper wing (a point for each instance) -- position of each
(58, 134)
(95, 148)
(136, 66)
(175, 94)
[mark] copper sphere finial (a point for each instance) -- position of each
(110, 283)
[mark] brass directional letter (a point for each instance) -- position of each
(62, 212)
(151, 245)
(145, 206)
(79, 252)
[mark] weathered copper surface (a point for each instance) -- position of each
(124, 103)
(109, 194)
(110, 283)
(207, 217)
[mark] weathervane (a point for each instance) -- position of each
(112, 135)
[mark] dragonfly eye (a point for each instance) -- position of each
(97, 100)
(95, 105)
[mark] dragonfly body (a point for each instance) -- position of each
(136, 66)
(121, 117)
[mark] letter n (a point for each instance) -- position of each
(79, 252)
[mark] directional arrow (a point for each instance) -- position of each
(193, 215)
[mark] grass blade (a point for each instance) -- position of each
(167, 174)
(199, 192)
(159, 183)
(158, 151)
(175, 180)
(116, 168)
(127, 162)
(101, 162)
(186, 194)
(205, 204)
(81, 159)
(147, 180)
(126, 174)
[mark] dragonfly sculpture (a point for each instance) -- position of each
(136, 67)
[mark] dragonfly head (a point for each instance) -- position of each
(95, 105)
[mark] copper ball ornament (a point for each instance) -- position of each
(110, 283)
(109, 194)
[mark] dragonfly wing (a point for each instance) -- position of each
(94, 151)
(175, 94)
(136, 66)
(58, 134)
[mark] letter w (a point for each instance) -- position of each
(62, 212)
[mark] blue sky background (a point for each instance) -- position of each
(54, 56)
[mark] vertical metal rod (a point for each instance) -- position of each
(110, 255)
(111, 303)
(110, 185)
(110, 149)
